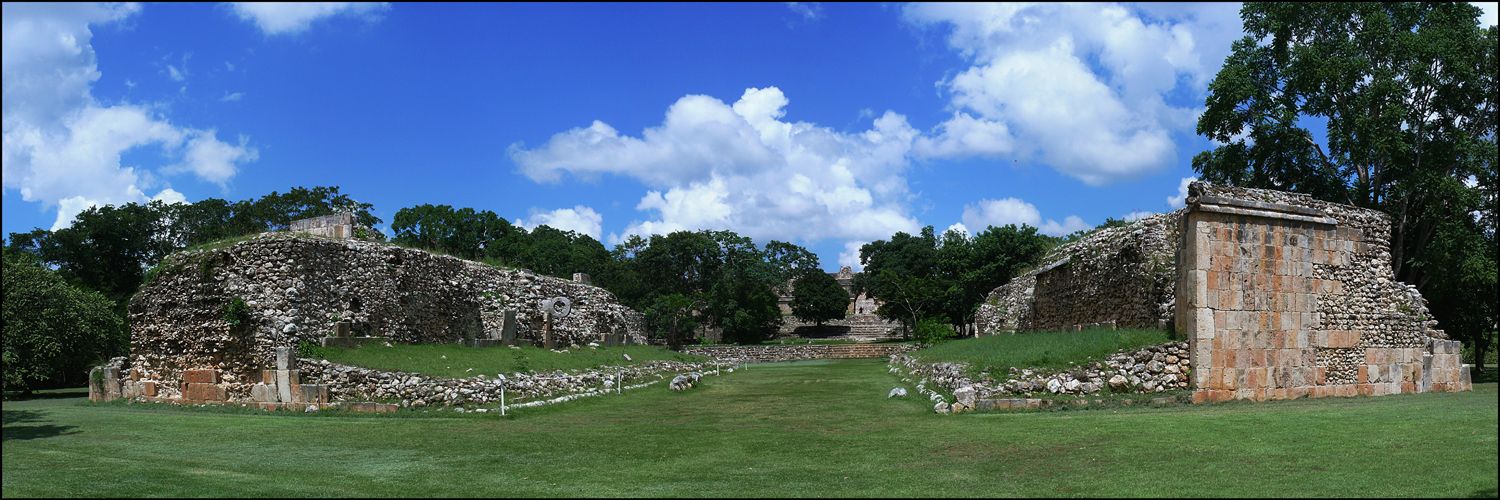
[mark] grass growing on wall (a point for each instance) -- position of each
(454, 360)
(1039, 349)
(804, 429)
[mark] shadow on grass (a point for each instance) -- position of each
(1489, 376)
(29, 432)
(1484, 493)
(71, 392)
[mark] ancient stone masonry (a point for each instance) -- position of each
(297, 287)
(1282, 296)
(1121, 276)
(339, 226)
(350, 383)
(860, 322)
(1285, 296)
(1152, 369)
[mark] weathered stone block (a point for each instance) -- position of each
(310, 393)
(369, 407)
(202, 393)
(200, 376)
(263, 393)
(285, 359)
(285, 379)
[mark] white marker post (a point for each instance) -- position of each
(620, 381)
(502, 396)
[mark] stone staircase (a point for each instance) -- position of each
(856, 327)
(870, 328)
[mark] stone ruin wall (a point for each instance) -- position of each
(339, 226)
(1285, 296)
(1121, 276)
(298, 287)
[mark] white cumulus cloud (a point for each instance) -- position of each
(285, 18)
(850, 255)
(62, 147)
(579, 219)
(1180, 199)
(740, 166)
(1016, 211)
(1079, 87)
(169, 196)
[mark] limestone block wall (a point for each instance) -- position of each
(339, 226)
(297, 286)
(1121, 275)
(1284, 296)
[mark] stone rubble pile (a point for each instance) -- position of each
(417, 390)
(684, 381)
(1152, 369)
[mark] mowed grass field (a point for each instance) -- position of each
(821, 428)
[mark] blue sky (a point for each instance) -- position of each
(827, 125)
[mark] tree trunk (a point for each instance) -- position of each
(1480, 347)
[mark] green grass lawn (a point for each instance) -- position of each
(454, 360)
(1039, 349)
(817, 428)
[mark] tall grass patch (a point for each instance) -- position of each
(1057, 349)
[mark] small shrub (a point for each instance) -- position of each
(206, 268)
(310, 350)
(932, 331)
(237, 313)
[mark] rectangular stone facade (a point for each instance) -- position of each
(339, 226)
(1283, 300)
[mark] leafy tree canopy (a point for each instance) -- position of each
(1405, 93)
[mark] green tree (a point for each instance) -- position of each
(817, 297)
(1406, 94)
(743, 307)
(108, 248)
(672, 317)
(729, 278)
(789, 261)
(902, 273)
(1462, 254)
(53, 331)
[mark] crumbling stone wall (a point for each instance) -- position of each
(1123, 276)
(1285, 296)
(296, 287)
(339, 226)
